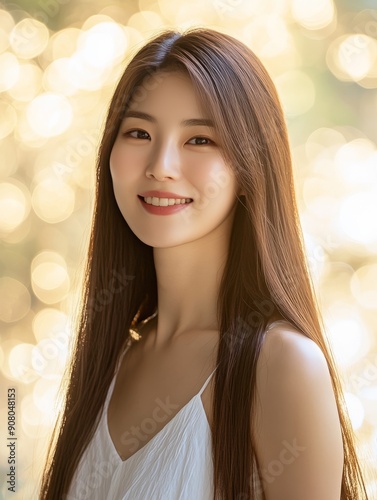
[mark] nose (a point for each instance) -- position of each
(164, 162)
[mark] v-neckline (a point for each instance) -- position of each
(111, 443)
(190, 402)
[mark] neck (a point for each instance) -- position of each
(188, 281)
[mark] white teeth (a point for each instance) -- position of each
(164, 202)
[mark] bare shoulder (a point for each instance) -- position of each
(295, 423)
(284, 345)
(291, 365)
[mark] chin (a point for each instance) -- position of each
(156, 241)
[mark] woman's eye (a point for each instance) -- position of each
(201, 141)
(137, 134)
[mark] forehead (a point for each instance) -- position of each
(167, 90)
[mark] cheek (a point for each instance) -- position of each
(214, 181)
(120, 177)
(122, 165)
(115, 164)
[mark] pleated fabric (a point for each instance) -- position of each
(176, 464)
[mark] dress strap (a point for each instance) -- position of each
(269, 326)
(206, 382)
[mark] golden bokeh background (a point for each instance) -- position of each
(59, 63)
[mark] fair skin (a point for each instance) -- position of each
(296, 426)
(178, 350)
(190, 244)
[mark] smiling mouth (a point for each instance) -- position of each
(164, 202)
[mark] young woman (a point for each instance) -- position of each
(200, 369)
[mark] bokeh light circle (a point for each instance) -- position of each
(53, 200)
(64, 43)
(9, 70)
(29, 38)
(297, 92)
(44, 395)
(58, 77)
(348, 339)
(369, 395)
(49, 357)
(50, 322)
(49, 114)
(313, 15)
(20, 363)
(15, 300)
(14, 206)
(6, 26)
(49, 277)
(8, 119)
(363, 286)
(28, 84)
(353, 57)
(102, 45)
(357, 217)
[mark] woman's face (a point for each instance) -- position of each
(165, 144)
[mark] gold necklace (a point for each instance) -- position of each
(134, 330)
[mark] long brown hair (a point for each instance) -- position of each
(266, 271)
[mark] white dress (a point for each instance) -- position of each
(176, 464)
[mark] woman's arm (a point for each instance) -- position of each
(296, 428)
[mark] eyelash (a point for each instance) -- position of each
(135, 130)
(143, 131)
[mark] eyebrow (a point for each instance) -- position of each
(191, 122)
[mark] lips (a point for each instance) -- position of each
(163, 202)
(164, 206)
(162, 194)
